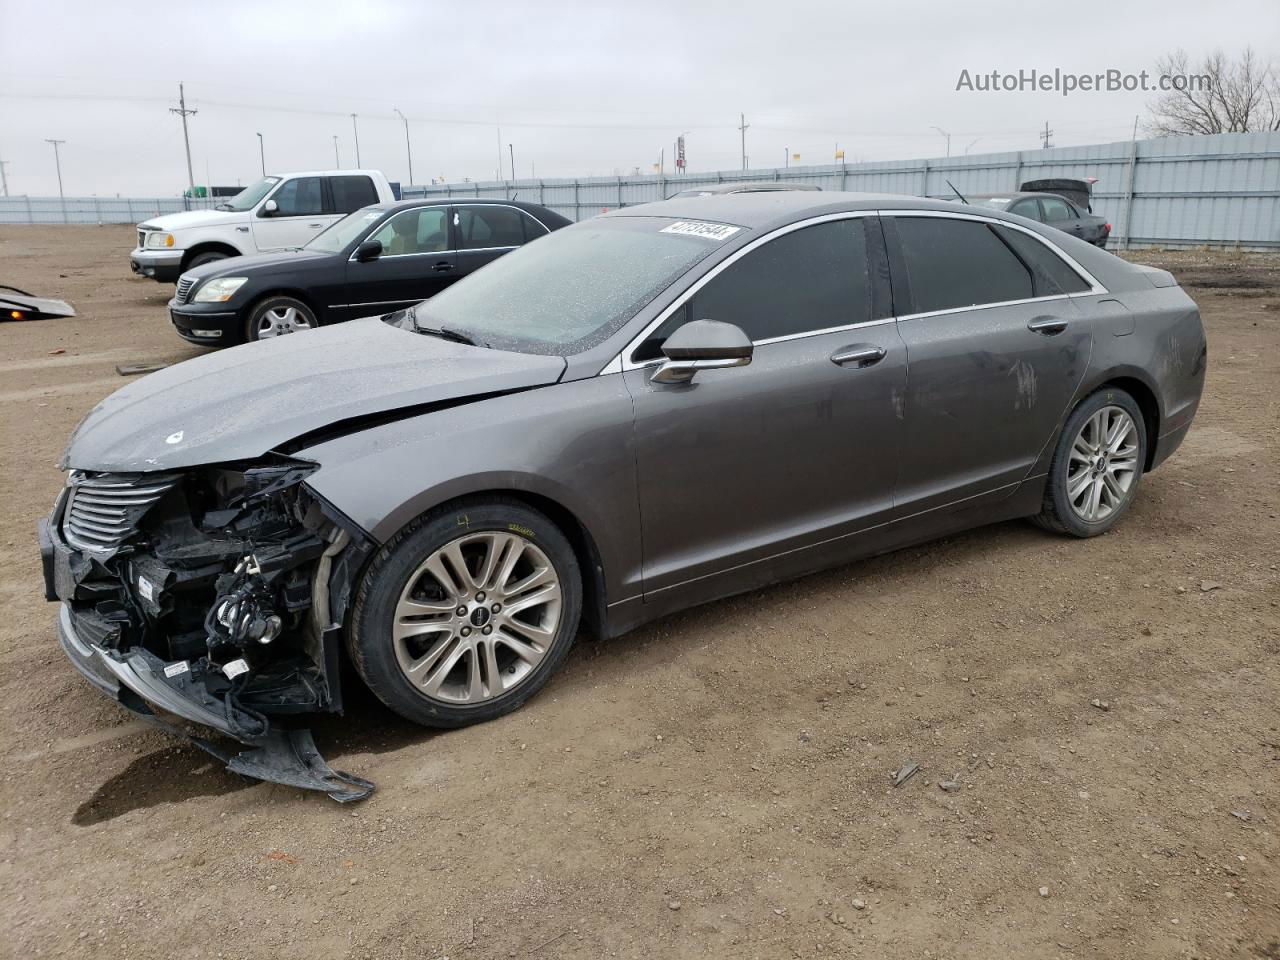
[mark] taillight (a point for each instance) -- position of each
(1106, 228)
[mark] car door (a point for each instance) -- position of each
(797, 448)
(1061, 215)
(996, 349)
(300, 213)
(416, 263)
(487, 231)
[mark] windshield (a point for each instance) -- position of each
(248, 198)
(572, 289)
(336, 237)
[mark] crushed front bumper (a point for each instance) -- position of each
(138, 680)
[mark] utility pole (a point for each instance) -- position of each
(57, 162)
(337, 164)
(511, 148)
(407, 148)
(1045, 137)
(262, 155)
(356, 131)
(499, 167)
(183, 112)
(4, 181)
(786, 158)
(742, 129)
(948, 136)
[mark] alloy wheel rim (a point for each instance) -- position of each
(1103, 464)
(476, 618)
(279, 321)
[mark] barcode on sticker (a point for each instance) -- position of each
(699, 228)
(176, 669)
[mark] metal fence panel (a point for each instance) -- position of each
(1220, 190)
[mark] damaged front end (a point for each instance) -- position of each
(216, 594)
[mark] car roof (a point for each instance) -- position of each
(765, 210)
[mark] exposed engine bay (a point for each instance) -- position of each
(216, 594)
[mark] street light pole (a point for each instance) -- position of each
(57, 162)
(356, 131)
(948, 136)
(742, 129)
(407, 149)
(511, 147)
(262, 155)
(4, 181)
(337, 164)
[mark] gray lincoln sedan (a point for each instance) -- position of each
(641, 412)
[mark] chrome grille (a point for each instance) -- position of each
(185, 283)
(103, 510)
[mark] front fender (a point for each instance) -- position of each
(569, 443)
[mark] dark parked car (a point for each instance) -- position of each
(1051, 210)
(377, 260)
(641, 412)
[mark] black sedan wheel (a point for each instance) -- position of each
(278, 316)
(466, 615)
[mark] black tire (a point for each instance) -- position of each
(254, 321)
(200, 259)
(370, 640)
(1057, 512)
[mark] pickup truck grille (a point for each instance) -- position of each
(185, 284)
(104, 510)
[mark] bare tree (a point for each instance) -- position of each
(1219, 94)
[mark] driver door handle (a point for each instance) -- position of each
(859, 354)
(1047, 326)
(442, 266)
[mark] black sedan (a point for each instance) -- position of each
(374, 261)
(1051, 210)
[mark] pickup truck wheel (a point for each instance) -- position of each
(277, 316)
(200, 259)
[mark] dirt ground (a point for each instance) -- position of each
(717, 784)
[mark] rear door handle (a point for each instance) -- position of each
(1047, 326)
(442, 266)
(315, 226)
(859, 354)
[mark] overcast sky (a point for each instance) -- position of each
(578, 88)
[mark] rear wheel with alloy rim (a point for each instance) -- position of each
(1097, 465)
(466, 615)
(278, 316)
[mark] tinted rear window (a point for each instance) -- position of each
(1051, 273)
(352, 193)
(959, 263)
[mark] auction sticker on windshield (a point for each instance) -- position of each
(699, 228)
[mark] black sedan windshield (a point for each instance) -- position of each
(336, 237)
(570, 290)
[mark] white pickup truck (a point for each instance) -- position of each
(276, 213)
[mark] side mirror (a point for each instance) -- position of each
(270, 208)
(369, 250)
(702, 345)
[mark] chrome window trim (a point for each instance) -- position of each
(515, 246)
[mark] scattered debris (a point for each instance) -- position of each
(859, 904)
(54, 353)
(949, 786)
(1103, 705)
(673, 905)
(1044, 891)
(905, 773)
(1243, 815)
(1207, 585)
(133, 369)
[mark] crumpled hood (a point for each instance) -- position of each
(194, 218)
(240, 403)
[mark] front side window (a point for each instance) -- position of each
(1026, 208)
(352, 193)
(343, 232)
(1056, 210)
(810, 279)
(299, 197)
(248, 198)
(425, 230)
(481, 227)
(955, 263)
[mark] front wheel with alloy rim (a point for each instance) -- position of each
(278, 316)
(465, 615)
(1096, 466)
